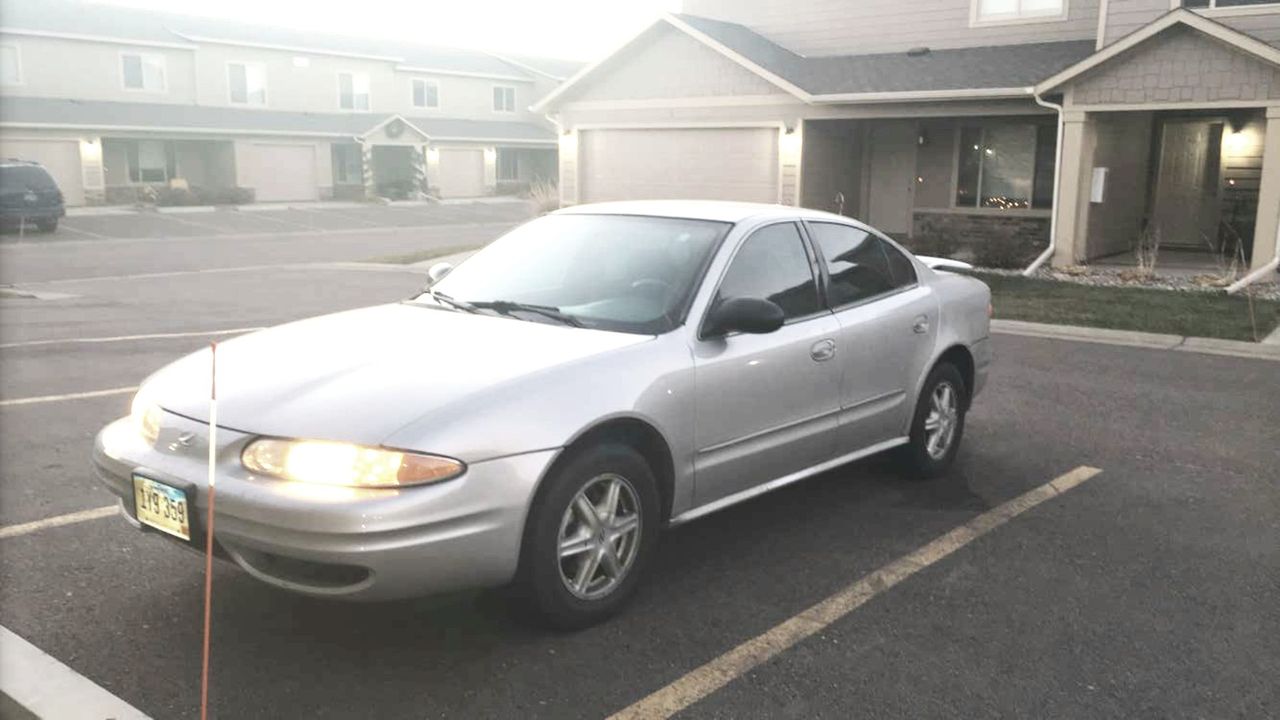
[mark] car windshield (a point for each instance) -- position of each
(22, 177)
(612, 272)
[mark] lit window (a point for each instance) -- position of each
(504, 99)
(1006, 166)
(997, 10)
(142, 72)
(353, 91)
(426, 94)
(247, 83)
(10, 65)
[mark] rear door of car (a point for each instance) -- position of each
(766, 404)
(888, 326)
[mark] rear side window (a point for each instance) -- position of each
(773, 264)
(25, 176)
(904, 272)
(856, 262)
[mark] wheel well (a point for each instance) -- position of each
(962, 359)
(646, 440)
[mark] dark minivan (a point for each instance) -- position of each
(29, 196)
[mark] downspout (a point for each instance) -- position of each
(1057, 190)
(1260, 273)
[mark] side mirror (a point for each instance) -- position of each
(747, 315)
(436, 272)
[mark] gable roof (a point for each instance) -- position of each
(1241, 41)
(987, 72)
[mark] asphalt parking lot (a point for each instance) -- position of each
(1148, 590)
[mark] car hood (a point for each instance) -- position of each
(358, 376)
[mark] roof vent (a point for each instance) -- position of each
(918, 51)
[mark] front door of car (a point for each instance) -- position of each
(888, 327)
(766, 404)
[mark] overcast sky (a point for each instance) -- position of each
(574, 29)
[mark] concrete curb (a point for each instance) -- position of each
(1155, 341)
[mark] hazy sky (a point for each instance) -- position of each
(576, 29)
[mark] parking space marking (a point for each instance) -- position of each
(65, 226)
(712, 676)
(68, 396)
(9, 531)
(218, 230)
(127, 338)
(48, 689)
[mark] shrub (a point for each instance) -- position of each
(170, 196)
(545, 196)
(1003, 248)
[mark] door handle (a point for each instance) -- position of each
(920, 325)
(823, 350)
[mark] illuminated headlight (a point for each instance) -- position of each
(334, 463)
(146, 418)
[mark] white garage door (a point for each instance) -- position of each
(702, 164)
(279, 172)
(60, 157)
(461, 173)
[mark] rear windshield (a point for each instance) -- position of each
(25, 176)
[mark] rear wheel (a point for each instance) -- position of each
(938, 424)
(47, 225)
(591, 532)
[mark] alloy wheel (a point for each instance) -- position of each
(944, 417)
(599, 536)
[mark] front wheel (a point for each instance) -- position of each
(591, 531)
(47, 225)
(938, 423)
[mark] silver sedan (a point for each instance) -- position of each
(538, 415)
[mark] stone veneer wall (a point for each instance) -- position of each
(987, 239)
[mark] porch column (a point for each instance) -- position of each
(490, 169)
(1264, 235)
(1074, 176)
(790, 150)
(366, 164)
(569, 167)
(93, 171)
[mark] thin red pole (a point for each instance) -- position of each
(208, 543)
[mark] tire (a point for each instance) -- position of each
(47, 225)
(921, 457)
(545, 577)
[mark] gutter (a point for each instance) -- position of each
(1057, 189)
(1260, 273)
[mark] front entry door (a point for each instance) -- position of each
(891, 185)
(766, 405)
(1186, 198)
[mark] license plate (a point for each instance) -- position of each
(161, 506)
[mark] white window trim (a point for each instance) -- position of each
(1213, 10)
(17, 56)
(512, 88)
(413, 82)
(975, 20)
(266, 89)
(164, 72)
(337, 81)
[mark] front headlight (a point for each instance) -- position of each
(334, 463)
(146, 418)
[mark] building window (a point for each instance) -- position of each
(247, 83)
(1015, 10)
(508, 165)
(426, 93)
(148, 161)
(348, 165)
(142, 72)
(1006, 167)
(10, 65)
(353, 91)
(504, 99)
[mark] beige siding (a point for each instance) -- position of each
(1181, 65)
(841, 27)
(1124, 148)
(666, 63)
(1264, 27)
(1125, 16)
(92, 70)
(832, 162)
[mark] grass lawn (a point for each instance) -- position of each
(1159, 311)
(421, 255)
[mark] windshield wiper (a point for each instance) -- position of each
(443, 299)
(506, 307)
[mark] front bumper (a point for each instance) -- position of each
(347, 543)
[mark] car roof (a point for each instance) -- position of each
(14, 162)
(717, 210)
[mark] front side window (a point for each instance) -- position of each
(613, 272)
(247, 83)
(1002, 10)
(353, 91)
(773, 265)
(856, 261)
(426, 94)
(10, 65)
(504, 99)
(1006, 166)
(142, 72)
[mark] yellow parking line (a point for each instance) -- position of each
(67, 396)
(714, 675)
(57, 521)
